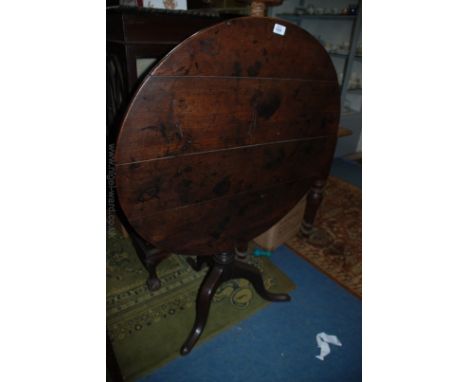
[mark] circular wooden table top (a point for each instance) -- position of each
(226, 134)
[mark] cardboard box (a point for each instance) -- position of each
(285, 229)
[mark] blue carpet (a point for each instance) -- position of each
(347, 170)
(278, 343)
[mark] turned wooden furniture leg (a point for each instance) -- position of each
(224, 267)
(242, 250)
(197, 265)
(150, 257)
(314, 198)
(153, 282)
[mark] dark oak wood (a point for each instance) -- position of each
(199, 137)
(314, 198)
(197, 264)
(224, 267)
(220, 224)
(150, 257)
(178, 115)
(224, 136)
(189, 179)
(250, 49)
(150, 33)
(134, 33)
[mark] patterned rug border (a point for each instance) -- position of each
(324, 272)
(346, 185)
(146, 373)
(134, 305)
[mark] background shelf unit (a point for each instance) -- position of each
(298, 18)
(344, 55)
(336, 29)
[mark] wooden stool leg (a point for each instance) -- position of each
(205, 295)
(150, 257)
(242, 250)
(198, 264)
(153, 282)
(314, 198)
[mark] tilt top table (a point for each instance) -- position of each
(224, 136)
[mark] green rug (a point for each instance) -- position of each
(147, 329)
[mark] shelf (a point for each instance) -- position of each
(343, 55)
(339, 53)
(348, 112)
(294, 17)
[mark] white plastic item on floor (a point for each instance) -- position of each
(323, 341)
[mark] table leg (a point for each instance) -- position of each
(314, 198)
(224, 267)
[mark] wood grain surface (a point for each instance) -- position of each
(226, 134)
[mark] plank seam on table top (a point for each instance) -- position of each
(254, 191)
(226, 149)
(243, 78)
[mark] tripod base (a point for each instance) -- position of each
(223, 267)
